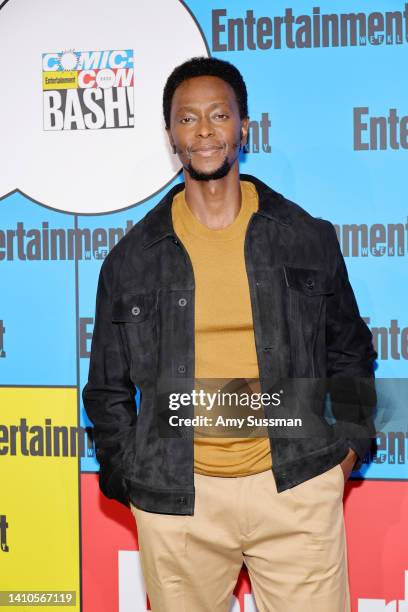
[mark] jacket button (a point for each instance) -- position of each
(181, 368)
(182, 302)
(271, 347)
(135, 310)
(181, 500)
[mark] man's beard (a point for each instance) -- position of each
(209, 176)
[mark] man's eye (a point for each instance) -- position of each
(221, 116)
(186, 119)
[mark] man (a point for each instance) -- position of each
(227, 279)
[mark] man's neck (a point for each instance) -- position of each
(216, 203)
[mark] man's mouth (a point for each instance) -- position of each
(206, 150)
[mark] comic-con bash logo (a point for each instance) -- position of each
(83, 131)
(88, 89)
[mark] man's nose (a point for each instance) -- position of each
(204, 128)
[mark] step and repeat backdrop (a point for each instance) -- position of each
(84, 156)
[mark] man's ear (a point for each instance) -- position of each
(244, 131)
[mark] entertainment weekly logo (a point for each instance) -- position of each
(381, 605)
(379, 132)
(28, 438)
(304, 31)
(4, 547)
(375, 240)
(45, 243)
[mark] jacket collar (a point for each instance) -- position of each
(157, 224)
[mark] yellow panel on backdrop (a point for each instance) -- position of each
(39, 508)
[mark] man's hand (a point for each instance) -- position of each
(348, 463)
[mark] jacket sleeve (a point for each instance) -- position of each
(350, 361)
(109, 395)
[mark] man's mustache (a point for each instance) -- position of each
(191, 149)
(236, 145)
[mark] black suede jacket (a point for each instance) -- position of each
(307, 328)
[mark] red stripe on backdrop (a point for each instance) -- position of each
(107, 527)
(376, 514)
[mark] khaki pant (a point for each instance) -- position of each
(293, 544)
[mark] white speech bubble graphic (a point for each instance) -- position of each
(92, 170)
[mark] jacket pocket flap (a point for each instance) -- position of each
(132, 307)
(308, 280)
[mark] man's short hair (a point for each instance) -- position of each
(205, 66)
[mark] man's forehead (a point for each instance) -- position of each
(203, 90)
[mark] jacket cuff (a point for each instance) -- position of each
(357, 437)
(361, 453)
(114, 485)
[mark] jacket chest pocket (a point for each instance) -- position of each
(136, 314)
(307, 289)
